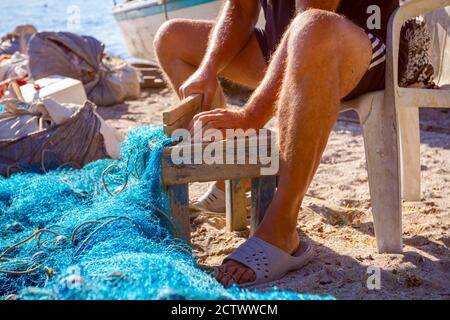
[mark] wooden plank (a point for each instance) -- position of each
(150, 72)
(247, 165)
(143, 65)
(179, 204)
(236, 212)
(152, 82)
(180, 115)
(206, 173)
(263, 190)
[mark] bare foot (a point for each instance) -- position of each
(232, 272)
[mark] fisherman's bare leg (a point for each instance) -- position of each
(180, 45)
(326, 56)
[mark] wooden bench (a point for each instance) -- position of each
(176, 177)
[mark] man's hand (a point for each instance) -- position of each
(220, 119)
(203, 81)
(232, 31)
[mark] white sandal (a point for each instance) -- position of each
(213, 201)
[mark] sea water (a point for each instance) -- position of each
(86, 17)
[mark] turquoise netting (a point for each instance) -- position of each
(102, 232)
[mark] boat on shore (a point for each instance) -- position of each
(139, 20)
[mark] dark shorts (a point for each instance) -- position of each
(374, 78)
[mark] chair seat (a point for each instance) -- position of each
(367, 98)
(407, 97)
(363, 104)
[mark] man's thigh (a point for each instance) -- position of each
(246, 68)
(320, 41)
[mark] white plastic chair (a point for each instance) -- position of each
(390, 122)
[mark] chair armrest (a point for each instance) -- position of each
(408, 10)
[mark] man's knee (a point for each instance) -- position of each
(167, 37)
(319, 34)
(323, 41)
(316, 29)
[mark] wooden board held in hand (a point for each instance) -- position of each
(179, 116)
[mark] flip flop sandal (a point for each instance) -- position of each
(269, 263)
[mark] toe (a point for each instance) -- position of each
(230, 267)
(234, 272)
(247, 276)
(219, 274)
(229, 282)
(222, 274)
(239, 273)
(226, 280)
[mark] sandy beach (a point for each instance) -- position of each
(336, 214)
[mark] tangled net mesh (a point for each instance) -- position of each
(102, 232)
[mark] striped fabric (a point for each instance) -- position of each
(378, 51)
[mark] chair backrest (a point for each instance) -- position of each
(439, 24)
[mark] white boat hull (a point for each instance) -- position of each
(139, 29)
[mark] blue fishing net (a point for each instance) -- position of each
(102, 232)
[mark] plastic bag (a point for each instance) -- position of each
(82, 58)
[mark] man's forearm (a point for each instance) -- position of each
(262, 104)
(231, 33)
